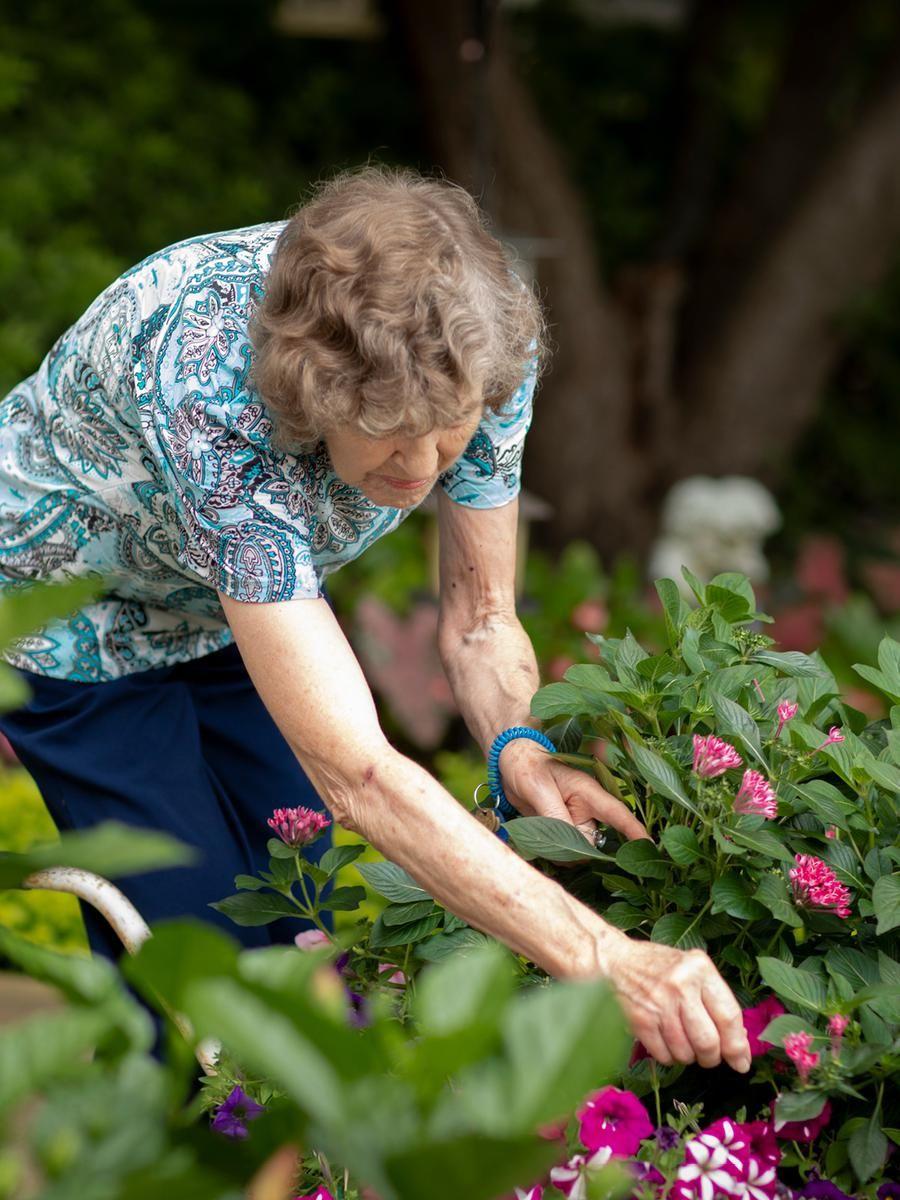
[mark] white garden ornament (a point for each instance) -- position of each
(713, 525)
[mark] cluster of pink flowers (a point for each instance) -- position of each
(756, 795)
(786, 712)
(797, 1048)
(815, 885)
(729, 1159)
(713, 756)
(298, 826)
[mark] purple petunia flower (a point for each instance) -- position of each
(231, 1116)
(666, 1137)
(822, 1189)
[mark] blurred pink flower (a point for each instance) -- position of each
(756, 795)
(799, 626)
(321, 1193)
(837, 1027)
(797, 1048)
(310, 939)
(570, 1178)
(820, 569)
(713, 756)
(591, 616)
(614, 1119)
(815, 885)
(831, 831)
(834, 736)
(397, 977)
(802, 1131)
(535, 1193)
(786, 712)
(558, 666)
(755, 1021)
(298, 826)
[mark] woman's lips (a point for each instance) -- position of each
(406, 485)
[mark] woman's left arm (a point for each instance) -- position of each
(490, 663)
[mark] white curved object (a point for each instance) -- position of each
(128, 924)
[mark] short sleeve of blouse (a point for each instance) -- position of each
(489, 472)
(242, 507)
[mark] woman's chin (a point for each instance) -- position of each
(386, 496)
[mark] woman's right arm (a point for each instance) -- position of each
(311, 683)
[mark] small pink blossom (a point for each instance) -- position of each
(815, 885)
(298, 826)
(397, 977)
(757, 796)
(834, 736)
(311, 939)
(571, 1179)
(713, 756)
(535, 1193)
(755, 1021)
(786, 712)
(837, 1027)
(321, 1193)
(797, 1048)
(590, 616)
(831, 831)
(802, 1131)
(615, 1119)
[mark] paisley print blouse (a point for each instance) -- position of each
(140, 453)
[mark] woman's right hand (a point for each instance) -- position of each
(677, 1004)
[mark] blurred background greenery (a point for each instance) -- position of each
(707, 193)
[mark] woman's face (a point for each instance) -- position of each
(397, 471)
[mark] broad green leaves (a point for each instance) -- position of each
(555, 840)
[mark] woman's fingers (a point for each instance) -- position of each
(586, 798)
(725, 1012)
(701, 1032)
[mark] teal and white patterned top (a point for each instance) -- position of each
(139, 451)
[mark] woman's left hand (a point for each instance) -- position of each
(538, 785)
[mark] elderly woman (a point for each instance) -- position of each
(230, 421)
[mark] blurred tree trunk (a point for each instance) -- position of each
(711, 356)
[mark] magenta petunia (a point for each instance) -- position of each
(761, 1141)
(615, 1119)
(321, 1193)
(802, 1131)
(535, 1193)
(571, 1178)
(755, 1021)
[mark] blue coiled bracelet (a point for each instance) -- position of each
(495, 783)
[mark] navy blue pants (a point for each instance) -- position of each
(188, 749)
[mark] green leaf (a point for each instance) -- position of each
(179, 953)
(392, 882)
(624, 916)
(661, 776)
(680, 930)
(773, 894)
(43, 1048)
(800, 1106)
(443, 944)
(737, 584)
(110, 849)
(403, 914)
(265, 1040)
(256, 908)
(732, 719)
(694, 584)
(383, 935)
(789, 662)
(554, 1052)
(344, 899)
(566, 735)
(674, 608)
(886, 899)
(759, 840)
(468, 1164)
(681, 845)
(885, 774)
(867, 1148)
(250, 883)
(641, 858)
(547, 837)
(798, 989)
(780, 1027)
(465, 992)
(824, 799)
(279, 849)
(557, 700)
(730, 894)
(337, 857)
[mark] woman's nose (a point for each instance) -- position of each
(419, 457)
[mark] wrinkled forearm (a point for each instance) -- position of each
(411, 819)
(493, 672)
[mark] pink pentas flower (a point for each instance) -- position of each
(837, 1027)
(298, 826)
(834, 736)
(797, 1048)
(713, 756)
(755, 1021)
(801, 1131)
(815, 885)
(614, 1119)
(786, 712)
(571, 1178)
(831, 832)
(757, 796)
